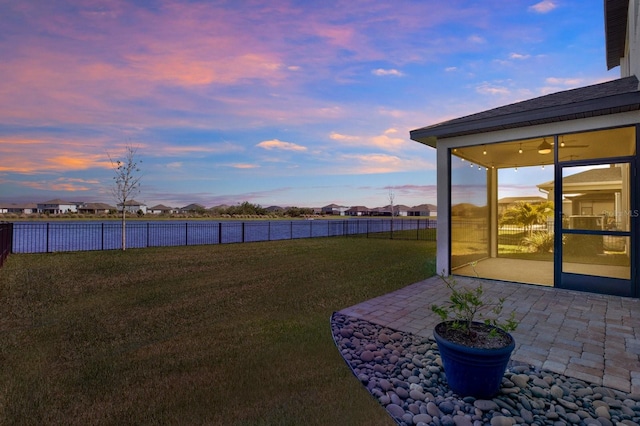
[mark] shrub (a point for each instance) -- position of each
(539, 242)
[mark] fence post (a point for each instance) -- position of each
(47, 244)
(269, 231)
(219, 232)
(291, 230)
(186, 233)
(10, 237)
(243, 232)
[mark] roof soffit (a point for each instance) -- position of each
(615, 30)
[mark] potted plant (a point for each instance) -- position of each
(475, 348)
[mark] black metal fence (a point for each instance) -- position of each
(46, 237)
(6, 240)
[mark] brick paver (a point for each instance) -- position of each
(588, 336)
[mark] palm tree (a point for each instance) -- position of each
(527, 215)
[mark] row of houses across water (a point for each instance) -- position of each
(57, 207)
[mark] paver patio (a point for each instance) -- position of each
(592, 337)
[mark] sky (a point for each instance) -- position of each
(290, 103)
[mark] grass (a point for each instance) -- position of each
(230, 334)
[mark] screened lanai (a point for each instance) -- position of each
(543, 191)
(515, 242)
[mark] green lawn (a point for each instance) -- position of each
(230, 334)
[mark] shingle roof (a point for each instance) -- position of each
(609, 174)
(97, 206)
(160, 207)
(611, 97)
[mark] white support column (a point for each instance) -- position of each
(443, 252)
(492, 202)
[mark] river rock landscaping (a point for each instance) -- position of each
(404, 373)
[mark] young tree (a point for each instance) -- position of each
(126, 183)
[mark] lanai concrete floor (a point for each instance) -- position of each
(592, 337)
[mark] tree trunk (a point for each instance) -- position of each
(124, 229)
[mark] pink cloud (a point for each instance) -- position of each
(40, 156)
(85, 60)
(278, 144)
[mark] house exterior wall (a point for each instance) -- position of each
(57, 208)
(630, 64)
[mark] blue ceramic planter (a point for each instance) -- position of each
(473, 371)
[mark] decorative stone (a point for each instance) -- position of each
(540, 383)
(346, 332)
(433, 410)
(485, 405)
(604, 422)
(422, 418)
(460, 420)
(395, 410)
(520, 380)
(603, 411)
(446, 407)
(573, 418)
(396, 336)
(367, 356)
(556, 392)
(402, 392)
(502, 421)
(416, 395)
(407, 378)
(447, 420)
(527, 416)
(568, 404)
(539, 392)
(385, 385)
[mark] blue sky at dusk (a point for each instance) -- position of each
(301, 103)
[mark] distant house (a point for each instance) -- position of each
(380, 211)
(95, 208)
(591, 193)
(422, 210)
(357, 211)
(193, 208)
(57, 206)
(334, 209)
(27, 208)
(133, 206)
(401, 210)
(160, 209)
(398, 210)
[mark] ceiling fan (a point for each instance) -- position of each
(546, 147)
